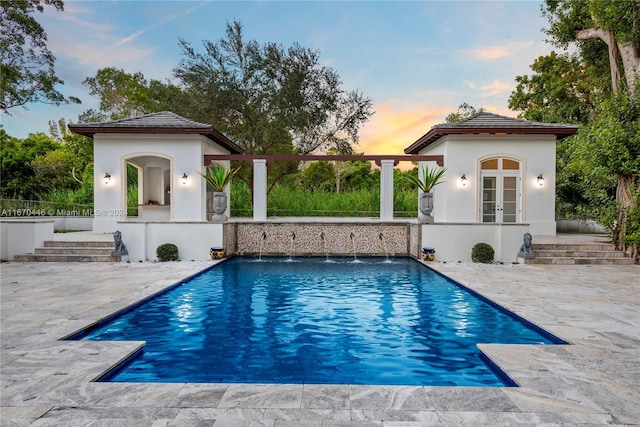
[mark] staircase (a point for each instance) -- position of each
(576, 253)
(70, 251)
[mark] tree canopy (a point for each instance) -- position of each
(596, 86)
(26, 63)
(264, 94)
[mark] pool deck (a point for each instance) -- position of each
(593, 381)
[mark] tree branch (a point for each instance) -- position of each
(614, 53)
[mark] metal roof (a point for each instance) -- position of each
(164, 122)
(489, 123)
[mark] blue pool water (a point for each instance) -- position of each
(312, 321)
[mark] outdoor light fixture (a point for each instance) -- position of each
(184, 179)
(107, 178)
(463, 180)
(540, 180)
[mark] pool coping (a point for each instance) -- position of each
(48, 382)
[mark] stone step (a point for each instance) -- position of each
(576, 261)
(78, 244)
(577, 253)
(573, 246)
(85, 250)
(65, 258)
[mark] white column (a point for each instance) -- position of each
(386, 190)
(259, 190)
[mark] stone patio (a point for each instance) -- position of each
(593, 381)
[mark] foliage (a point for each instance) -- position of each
(464, 112)
(19, 178)
(294, 200)
(428, 178)
(596, 86)
(261, 93)
(39, 164)
(318, 175)
(482, 252)
(122, 95)
(218, 176)
(563, 87)
(167, 252)
(26, 63)
(606, 155)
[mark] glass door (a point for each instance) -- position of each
(489, 199)
(500, 191)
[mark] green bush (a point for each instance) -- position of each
(167, 252)
(482, 252)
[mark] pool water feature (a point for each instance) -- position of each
(270, 320)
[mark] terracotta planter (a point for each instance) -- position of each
(219, 206)
(425, 205)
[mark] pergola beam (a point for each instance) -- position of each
(208, 158)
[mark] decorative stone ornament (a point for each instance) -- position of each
(426, 207)
(525, 249)
(219, 206)
(120, 248)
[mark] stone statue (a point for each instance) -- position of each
(121, 249)
(525, 249)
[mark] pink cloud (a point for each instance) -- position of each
(499, 51)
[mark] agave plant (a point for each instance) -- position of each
(428, 179)
(218, 176)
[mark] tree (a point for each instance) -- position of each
(266, 95)
(616, 23)
(607, 151)
(18, 175)
(600, 91)
(563, 88)
(26, 64)
(122, 95)
(464, 112)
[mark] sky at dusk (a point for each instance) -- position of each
(416, 60)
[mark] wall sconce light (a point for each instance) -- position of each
(540, 180)
(463, 180)
(107, 178)
(184, 179)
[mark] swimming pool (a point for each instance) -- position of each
(311, 321)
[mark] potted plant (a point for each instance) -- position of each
(218, 176)
(425, 181)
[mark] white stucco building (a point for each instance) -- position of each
(499, 184)
(167, 152)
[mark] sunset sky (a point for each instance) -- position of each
(417, 60)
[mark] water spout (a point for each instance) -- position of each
(324, 245)
(263, 237)
(384, 244)
(353, 244)
(292, 238)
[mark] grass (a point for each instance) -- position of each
(286, 200)
(283, 200)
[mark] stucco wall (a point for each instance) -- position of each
(453, 242)
(185, 154)
(462, 154)
(193, 239)
(22, 236)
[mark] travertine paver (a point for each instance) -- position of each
(594, 381)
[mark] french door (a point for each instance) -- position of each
(500, 199)
(500, 191)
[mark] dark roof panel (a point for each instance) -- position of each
(485, 122)
(164, 122)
